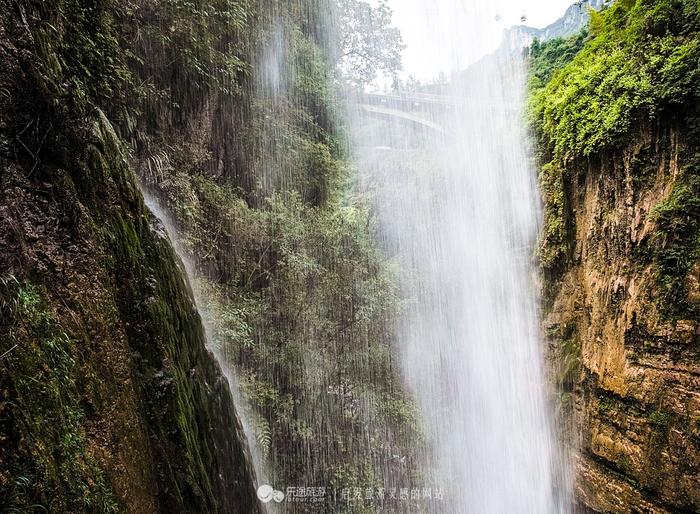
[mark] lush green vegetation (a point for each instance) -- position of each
(298, 298)
(79, 53)
(227, 110)
(637, 69)
(42, 412)
(101, 407)
(548, 57)
(641, 60)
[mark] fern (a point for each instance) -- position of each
(263, 434)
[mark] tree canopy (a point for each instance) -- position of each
(368, 45)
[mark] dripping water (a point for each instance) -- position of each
(254, 458)
(459, 209)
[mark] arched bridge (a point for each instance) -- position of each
(419, 110)
(424, 111)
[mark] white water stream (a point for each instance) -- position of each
(459, 209)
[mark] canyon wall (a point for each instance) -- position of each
(637, 391)
(229, 113)
(110, 400)
(616, 118)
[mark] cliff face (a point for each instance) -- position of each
(225, 110)
(110, 401)
(617, 129)
(636, 396)
(300, 302)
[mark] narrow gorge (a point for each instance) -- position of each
(349, 256)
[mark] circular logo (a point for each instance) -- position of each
(266, 494)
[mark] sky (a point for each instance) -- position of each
(448, 35)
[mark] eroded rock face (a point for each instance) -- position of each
(636, 399)
(109, 399)
(155, 416)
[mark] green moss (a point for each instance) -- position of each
(626, 467)
(605, 406)
(661, 420)
(676, 245)
(50, 465)
(555, 241)
(617, 410)
(570, 363)
(168, 335)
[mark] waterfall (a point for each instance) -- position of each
(455, 191)
(458, 208)
(253, 455)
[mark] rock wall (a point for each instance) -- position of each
(109, 399)
(636, 400)
(616, 120)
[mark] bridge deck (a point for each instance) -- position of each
(388, 113)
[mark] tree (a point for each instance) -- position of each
(368, 44)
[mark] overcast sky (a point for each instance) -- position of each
(448, 35)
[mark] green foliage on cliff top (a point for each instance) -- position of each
(550, 56)
(546, 59)
(642, 59)
(638, 65)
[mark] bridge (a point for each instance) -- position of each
(426, 111)
(415, 109)
(388, 113)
